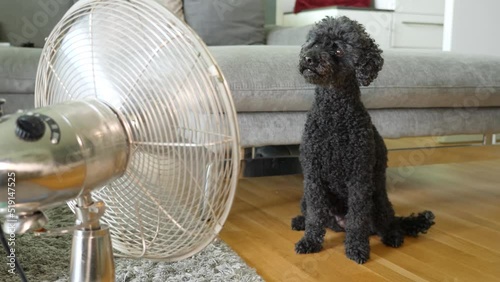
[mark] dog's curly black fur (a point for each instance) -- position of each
(343, 157)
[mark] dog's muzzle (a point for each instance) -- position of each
(308, 66)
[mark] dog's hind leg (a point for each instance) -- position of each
(299, 222)
(315, 219)
(384, 221)
(359, 217)
(383, 213)
(336, 223)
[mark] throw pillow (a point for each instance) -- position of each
(311, 4)
(174, 6)
(227, 22)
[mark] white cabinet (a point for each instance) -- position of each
(424, 7)
(417, 31)
(377, 23)
(418, 24)
(414, 24)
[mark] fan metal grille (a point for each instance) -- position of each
(155, 73)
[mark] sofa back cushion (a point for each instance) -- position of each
(30, 20)
(175, 6)
(227, 22)
(24, 21)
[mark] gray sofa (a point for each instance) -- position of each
(418, 93)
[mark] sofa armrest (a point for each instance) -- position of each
(281, 35)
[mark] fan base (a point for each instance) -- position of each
(92, 256)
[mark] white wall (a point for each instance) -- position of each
(283, 6)
(472, 26)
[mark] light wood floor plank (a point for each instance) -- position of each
(464, 245)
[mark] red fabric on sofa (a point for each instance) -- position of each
(310, 4)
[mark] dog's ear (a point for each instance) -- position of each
(370, 60)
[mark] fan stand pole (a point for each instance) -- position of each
(91, 253)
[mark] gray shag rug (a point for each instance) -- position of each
(48, 259)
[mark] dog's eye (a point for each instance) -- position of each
(339, 52)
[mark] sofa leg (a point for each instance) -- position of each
(2, 102)
(489, 139)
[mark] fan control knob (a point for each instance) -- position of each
(30, 127)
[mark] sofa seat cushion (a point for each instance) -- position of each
(266, 79)
(18, 69)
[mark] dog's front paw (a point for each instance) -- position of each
(299, 223)
(305, 246)
(358, 252)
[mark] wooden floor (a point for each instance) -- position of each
(464, 245)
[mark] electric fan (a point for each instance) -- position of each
(135, 126)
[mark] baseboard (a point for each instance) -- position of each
(460, 139)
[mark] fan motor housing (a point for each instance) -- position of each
(82, 145)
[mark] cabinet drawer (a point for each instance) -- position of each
(417, 31)
(425, 7)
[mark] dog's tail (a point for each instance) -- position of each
(415, 224)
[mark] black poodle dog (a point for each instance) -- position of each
(343, 157)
